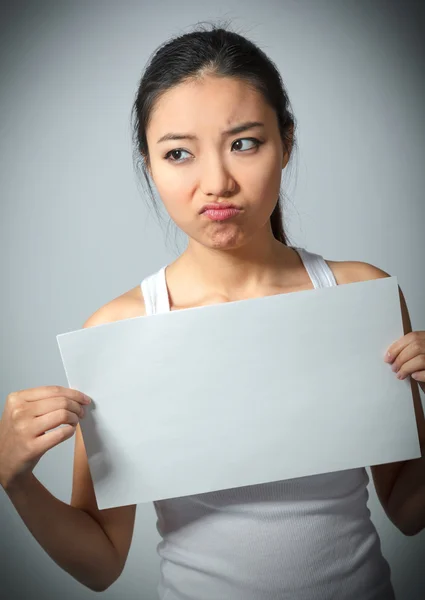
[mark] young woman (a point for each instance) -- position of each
(213, 130)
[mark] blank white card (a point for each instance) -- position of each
(242, 393)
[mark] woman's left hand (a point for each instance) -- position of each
(407, 356)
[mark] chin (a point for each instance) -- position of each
(228, 238)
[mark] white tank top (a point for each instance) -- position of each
(307, 538)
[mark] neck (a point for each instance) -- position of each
(255, 264)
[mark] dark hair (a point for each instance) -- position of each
(222, 53)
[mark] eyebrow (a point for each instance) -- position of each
(187, 136)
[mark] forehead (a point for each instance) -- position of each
(211, 102)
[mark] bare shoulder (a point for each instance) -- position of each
(351, 271)
(126, 306)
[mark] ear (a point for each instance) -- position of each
(288, 149)
(147, 164)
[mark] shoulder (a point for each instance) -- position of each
(354, 271)
(128, 305)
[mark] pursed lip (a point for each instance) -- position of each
(217, 206)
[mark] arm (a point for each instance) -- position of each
(69, 535)
(400, 486)
(90, 544)
(406, 501)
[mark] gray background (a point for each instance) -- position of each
(76, 231)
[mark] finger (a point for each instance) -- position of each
(394, 350)
(42, 407)
(44, 442)
(51, 391)
(408, 353)
(419, 376)
(412, 366)
(42, 424)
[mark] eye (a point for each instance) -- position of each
(175, 151)
(172, 152)
(256, 143)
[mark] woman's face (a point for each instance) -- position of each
(242, 168)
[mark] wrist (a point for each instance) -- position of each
(19, 482)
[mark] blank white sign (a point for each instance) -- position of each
(242, 393)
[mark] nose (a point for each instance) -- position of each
(215, 178)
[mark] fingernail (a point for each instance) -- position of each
(87, 398)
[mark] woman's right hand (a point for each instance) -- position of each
(27, 416)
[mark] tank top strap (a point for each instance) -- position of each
(155, 293)
(320, 272)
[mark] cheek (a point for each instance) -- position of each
(178, 202)
(264, 181)
(175, 188)
(166, 178)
